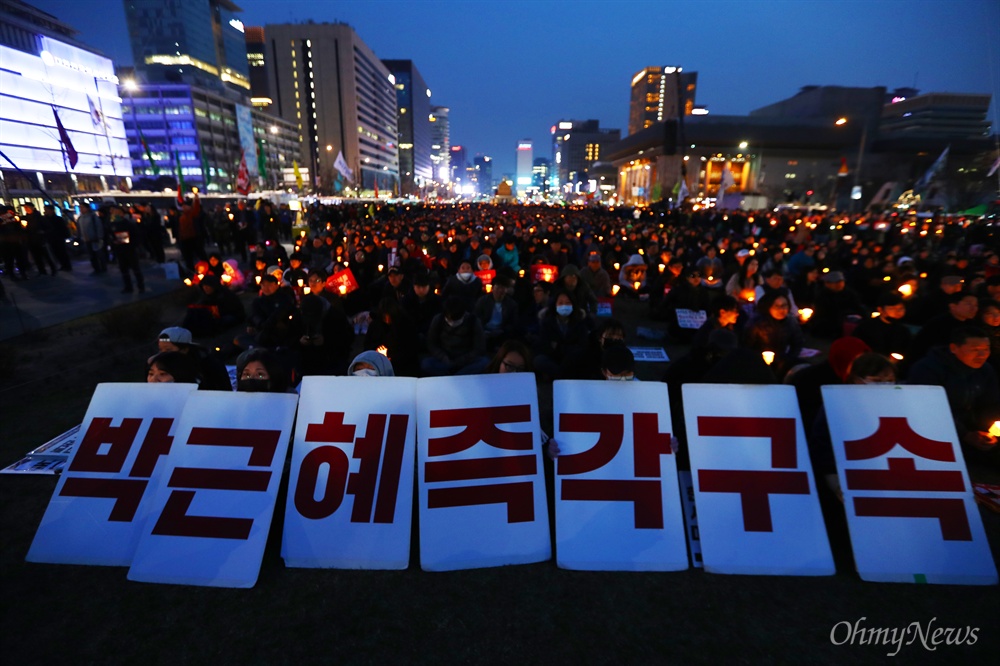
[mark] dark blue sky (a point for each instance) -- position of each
(510, 69)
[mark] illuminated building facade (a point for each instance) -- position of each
(541, 175)
(440, 144)
(658, 94)
(524, 167)
(201, 42)
(458, 163)
(413, 102)
(45, 72)
(323, 78)
(260, 93)
(576, 146)
(483, 165)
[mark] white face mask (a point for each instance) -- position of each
(564, 310)
(622, 378)
(365, 372)
(465, 277)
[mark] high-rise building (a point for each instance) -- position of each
(458, 163)
(525, 154)
(541, 175)
(413, 102)
(48, 78)
(195, 41)
(660, 93)
(440, 144)
(576, 146)
(260, 92)
(326, 80)
(483, 165)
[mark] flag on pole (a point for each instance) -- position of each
(843, 171)
(298, 174)
(993, 169)
(683, 193)
(726, 181)
(96, 116)
(180, 178)
(71, 155)
(376, 187)
(154, 167)
(932, 173)
(261, 160)
(243, 176)
(340, 164)
(204, 170)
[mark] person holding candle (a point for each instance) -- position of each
(886, 333)
(774, 331)
(972, 387)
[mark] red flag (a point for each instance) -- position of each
(243, 176)
(71, 153)
(376, 188)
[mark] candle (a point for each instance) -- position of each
(662, 267)
(906, 290)
(342, 289)
(306, 290)
(805, 313)
(995, 429)
(382, 349)
(617, 266)
(257, 279)
(636, 285)
(874, 315)
(187, 281)
(896, 356)
(768, 357)
(300, 282)
(489, 288)
(615, 289)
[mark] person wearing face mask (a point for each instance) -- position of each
(463, 285)
(259, 370)
(618, 363)
(370, 364)
(563, 339)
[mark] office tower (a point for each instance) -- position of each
(484, 173)
(541, 174)
(458, 163)
(660, 93)
(440, 144)
(327, 81)
(200, 42)
(46, 73)
(576, 146)
(260, 92)
(525, 155)
(413, 102)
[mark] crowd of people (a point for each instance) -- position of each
(461, 289)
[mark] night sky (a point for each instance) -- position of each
(510, 69)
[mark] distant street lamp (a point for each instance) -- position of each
(856, 190)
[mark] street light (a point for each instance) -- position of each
(856, 190)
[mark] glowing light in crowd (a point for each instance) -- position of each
(768, 357)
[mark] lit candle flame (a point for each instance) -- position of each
(187, 281)
(906, 290)
(995, 429)
(896, 356)
(768, 357)
(306, 290)
(805, 313)
(382, 349)
(227, 278)
(380, 267)
(636, 285)
(875, 315)
(615, 289)
(617, 266)
(342, 289)
(300, 282)
(489, 288)
(662, 267)
(257, 279)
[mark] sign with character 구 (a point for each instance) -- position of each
(618, 506)
(904, 481)
(103, 495)
(758, 508)
(211, 510)
(350, 494)
(479, 466)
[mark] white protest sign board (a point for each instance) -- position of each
(481, 489)
(212, 506)
(618, 507)
(904, 481)
(758, 510)
(350, 493)
(98, 508)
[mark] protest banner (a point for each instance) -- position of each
(101, 499)
(544, 273)
(618, 507)
(486, 277)
(904, 481)
(355, 438)
(758, 509)
(481, 491)
(212, 506)
(342, 282)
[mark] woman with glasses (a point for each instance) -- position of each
(776, 335)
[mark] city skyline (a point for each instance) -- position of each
(509, 70)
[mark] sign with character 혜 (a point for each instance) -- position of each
(101, 499)
(350, 493)
(211, 509)
(618, 506)
(479, 466)
(758, 509)
(904, 481)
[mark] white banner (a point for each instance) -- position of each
(618, 507)
(904, 481)
(101, 499)
(481, 492)
(758, 511)
(212, 507)
(354, 437)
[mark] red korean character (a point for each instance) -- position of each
(127, 493)
(755, 486)
(649, 444)
(174, 520)
(902, 474)
(362, 484)
(480, 426)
